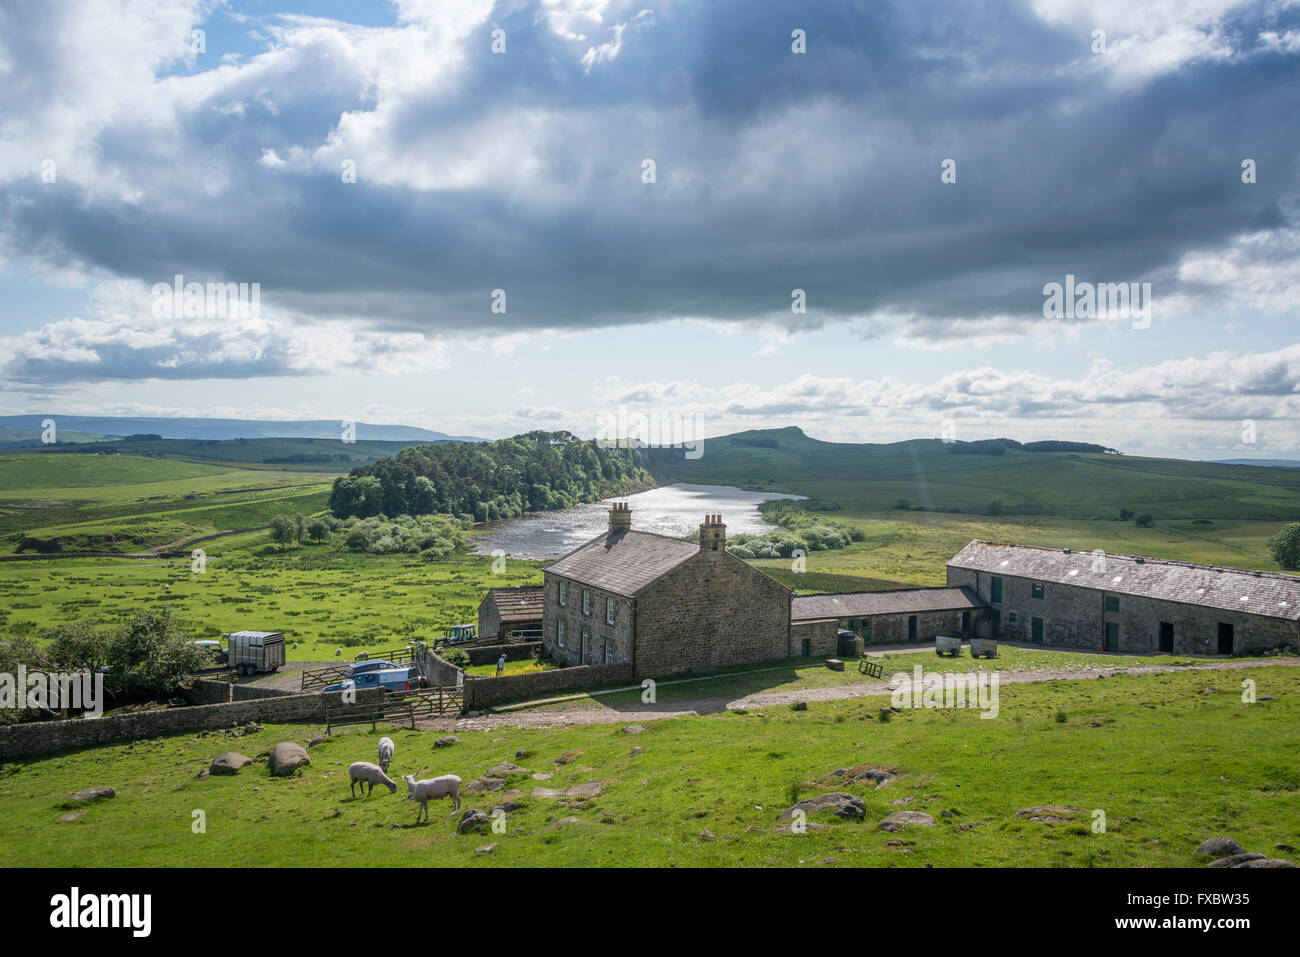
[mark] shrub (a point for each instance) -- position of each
(1285, 546)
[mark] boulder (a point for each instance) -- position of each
(633, 729)
(901, 819)
(1268, 862)
(287, 757)
(1220, 847)
(507, 807)
(97, 793)
(707, 835)
(635, 751)
(228, 762)
(447, 741)
(1235, 860)
(504, 770)
(567, 757)
(473, 820)
(484, 785)
(485, 849)
(562, 822)
(590, 789)
(840, 803)
(68, 818)
(1048, 814)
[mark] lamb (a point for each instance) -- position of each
(435, 788)
(386, 749)
(372, 774)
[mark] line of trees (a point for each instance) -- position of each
(485, 481)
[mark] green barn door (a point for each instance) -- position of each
(996, 589)
(1167, 637)
(1037, 634)
(1112, 636)
(911, 628)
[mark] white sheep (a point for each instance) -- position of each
(435, 788)
(337, 652)
(386, 749)
(372, 774)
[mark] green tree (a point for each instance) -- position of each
(995, 507)
(1145, 520)
(76, 647)
(318, 529)
(282, 530)
(1285, 546)
(150, 655)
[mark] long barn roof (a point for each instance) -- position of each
(863, 604)
(518, 603)
(623, 561)
(1269, 594)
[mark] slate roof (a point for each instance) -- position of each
(863, 604)
(623, 561)
(521, 603)
(1270, 594)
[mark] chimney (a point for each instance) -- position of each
(620, 517)
(713, 534)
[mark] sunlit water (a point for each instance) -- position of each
(674, 510)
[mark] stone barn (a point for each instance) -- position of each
(663, 604)
(1129, 603)
(504, 611)
(885, 617)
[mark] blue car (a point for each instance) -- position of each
(361, 667)
(390, 679)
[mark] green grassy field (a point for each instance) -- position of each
(1171, 759)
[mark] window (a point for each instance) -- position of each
(559, 632)
(564, 592)
(1011, 618)
(1112, 603)
(1036, 590)
(996, 589)
(609, 652)
(609, 611)
(586, 602)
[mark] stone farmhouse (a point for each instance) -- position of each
(662, 604)
(1128, 603)
(505, 611)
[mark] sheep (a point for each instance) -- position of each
(435, 788)
(372, 774)
(386, 749)
(337, 652)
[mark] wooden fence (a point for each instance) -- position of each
(399, 707)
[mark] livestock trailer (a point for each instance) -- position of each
(253, 652)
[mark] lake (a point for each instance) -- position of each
(674, 510)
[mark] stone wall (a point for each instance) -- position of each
(36, 738)
(601, 636)
(488, 654)
(489, 618)
(483, 692)
(821, 636)
(438, 671)
(712, 611)
(1076, 617)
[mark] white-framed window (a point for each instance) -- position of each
(564, 592)
(586, 602)
(586, 643)
(559, 632)
(609, 611)
(609, 652)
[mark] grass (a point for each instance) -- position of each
(525, 667)
(1170, 761)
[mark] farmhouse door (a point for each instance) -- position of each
(1225, 638)
(1167, 637)
(1112, 636)
(1037, 635)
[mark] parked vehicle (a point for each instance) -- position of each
(254, 652)
(390, 679)
(362, 667)
(213, 648)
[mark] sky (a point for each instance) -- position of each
(488, 217)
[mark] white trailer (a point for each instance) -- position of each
(253, 652)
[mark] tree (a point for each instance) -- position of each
(1145, 520)
(299, 528)
(1285, 546)
(149, 655)
(282, 530)
(318, 529)
(76, 647)
(1125, 514)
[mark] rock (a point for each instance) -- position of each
(1285, 847)
(590, 789)
(834, 664)
(473, 820)
(840, 803)
(446, 742)
(567, 756)
(286, 758)
(707, 835)
(1235, 860)
(1268, 862)
(252, 728)
(1220, 847)
(229, 762)
(543, 776)
(633, 729)
(901, 819)
(68, 818)
(504, 770)
(94, 794)
(520, 754)
(880, 776)
(635, 751)
(507, 807)
(315, 741)
(485, 849)
(484, 785)
(562, 822)
(902, 801)
(1047, 814)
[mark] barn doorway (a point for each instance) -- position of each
(806, 648)
(1225, 638)
(1167, 637)
(1112, 636)
(911, 628)
(1036, 631)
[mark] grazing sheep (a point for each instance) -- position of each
(435, 788)
(337, 652)
(386, 749)
(372, 774)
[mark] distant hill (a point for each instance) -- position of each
(1270, 463)
(989, 477)
(15, 429)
